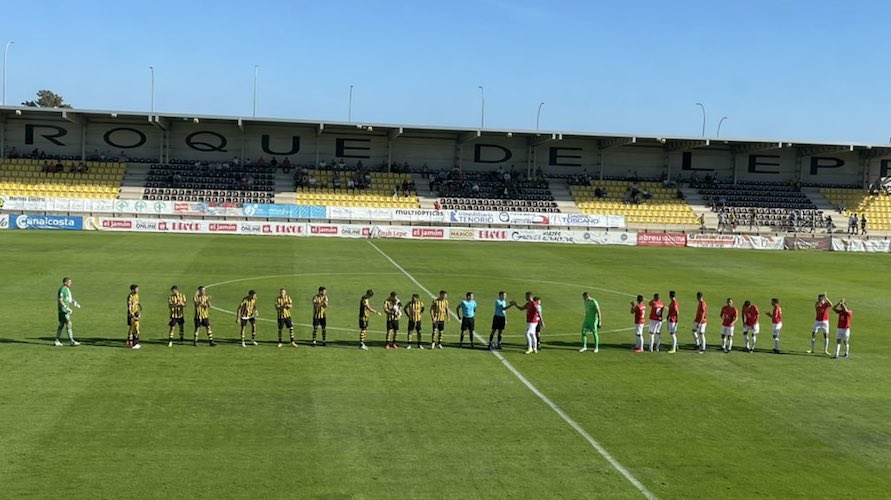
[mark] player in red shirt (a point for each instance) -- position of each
(844, 326)
(729, 314)
(751, 314)
(533, 319)
(656, 309)
(822, 306)
(673, 311)
(776, 318)
(639, 312)
(699, 323)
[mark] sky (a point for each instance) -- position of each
(788, 70)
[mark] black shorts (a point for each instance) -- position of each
(245, 321)
(414, 326)
(176, 321)
(392, 325)
(320, 322)
(467, 324)
(202, 322)
(498, 322)
(363, 324)
(438, 326)
(285, 322)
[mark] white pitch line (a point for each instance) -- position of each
(566, 418)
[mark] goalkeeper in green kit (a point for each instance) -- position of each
(592, 322)
(65, 302)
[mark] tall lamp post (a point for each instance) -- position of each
(538, 116)
(350, 107)
(5, 57)
(152, 96)
(703, 117)
(719, 125)
(482, 107)
(256, 75)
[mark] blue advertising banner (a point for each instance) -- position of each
(65, 222)
(284, 211)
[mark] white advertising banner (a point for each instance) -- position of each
(859, 245)
(194, 226)
(475, 217)
(4, 221)
(113, 206)
(547, 236)
(746, 241)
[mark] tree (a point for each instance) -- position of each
(47, 99)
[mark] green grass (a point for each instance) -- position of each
(100, 421)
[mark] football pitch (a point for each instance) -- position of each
(102, 421)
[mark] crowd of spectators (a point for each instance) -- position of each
(56, 167)
(497, 184)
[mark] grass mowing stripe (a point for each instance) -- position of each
(566, 418)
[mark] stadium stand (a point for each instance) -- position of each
(61, 178)
(209, 182)
(875, 206)
(496, 190)
(355, 189)
(645, 202)
(775, 205)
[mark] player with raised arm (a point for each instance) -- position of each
(656, 310)
(700, 322)
(533, 319)
(393, 310)
(439, 314)
(844, 327)
(134, 309)
(751, 326)
(499, 319)
(247, 313)
(673, 313)
(592, 322)
(467, 314)
(729, 315)
(320, 315)
(822, 307)
(176, 305)
(638, 313)
(365, 310)
(283, 306)
(414, 310)
(776, 319)
(65, 301)
(203, 303)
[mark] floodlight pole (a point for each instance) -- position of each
(256, 75)
(5, 57)
(538, 116)
(703, 117)
(482, 107)
(152, 100)
(350, 107)
(719, 126)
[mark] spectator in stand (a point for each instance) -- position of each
(351, 184)
(599, 192)
(286, 165)
(122, 158)
(852, 224)
(274, 163)
(81, 168)
(261, 162)
(46, 168)
(236, 160)
(395, 191)
(335, 182)
(13, 153)
(313, 181)
(437, 205)
(862, 223)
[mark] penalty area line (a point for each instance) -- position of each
(566, 418)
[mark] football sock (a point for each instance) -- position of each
(253, 335)
(492, 336)
(847, 349)
(729, 343)
(674, 342)
(696, 338)
(585, 340)
(314, 330)
(702, 344)
(279, 335)
(776, 343)
(658, 341)
(746, 338)
(652, 341)
(362, 336)
(825, 342)
(59, 332)
(596, 340)
(753, 342)
(324, 334)
(813, 341)
(499, 338)
(461, 340)
(291, 333)
(837, 348)
(170, 335)
(70, 333)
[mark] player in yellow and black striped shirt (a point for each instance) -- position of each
(439, 313)
(176, 303)
(247, 313)
(365, 310)
(320, 315)
(283, 305)
(414, 310)
(203, 303)
(393, 308)
(134, 308)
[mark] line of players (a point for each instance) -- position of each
(729, 316)
(439, 312)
